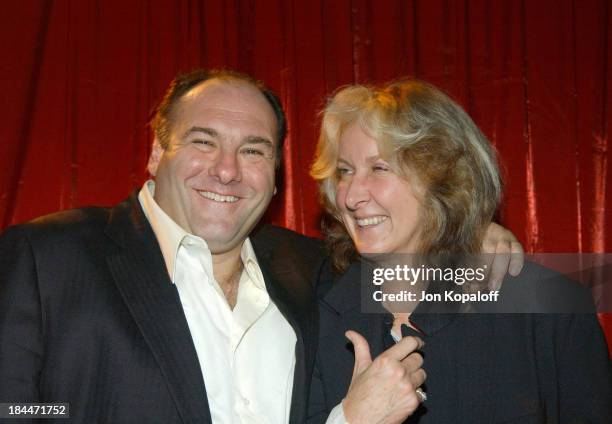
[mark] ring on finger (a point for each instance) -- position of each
(421, 394)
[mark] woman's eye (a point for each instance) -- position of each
(341, 172)
(380, 168)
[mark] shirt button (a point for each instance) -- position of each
(246, 401)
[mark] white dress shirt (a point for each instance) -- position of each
(247, 355)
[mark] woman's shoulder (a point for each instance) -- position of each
(542, 290)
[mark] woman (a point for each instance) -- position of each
(404, 170)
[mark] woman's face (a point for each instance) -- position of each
(379, 208)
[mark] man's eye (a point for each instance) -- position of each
(202, 142)
(251, 151)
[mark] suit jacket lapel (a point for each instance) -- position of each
(291, 292)
(344, 298)
(137, 265)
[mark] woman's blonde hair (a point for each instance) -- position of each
(424, 134)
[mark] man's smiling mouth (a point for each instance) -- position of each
(218, 197)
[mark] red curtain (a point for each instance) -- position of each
(79, 79)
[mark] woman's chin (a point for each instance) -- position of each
(371, 250)
(374, 250)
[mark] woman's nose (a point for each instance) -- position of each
(357, 193)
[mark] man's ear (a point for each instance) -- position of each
(156, 153)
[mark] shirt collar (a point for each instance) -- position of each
(251, 266)
(170, 236)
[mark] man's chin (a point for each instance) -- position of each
(223, 249)
(219, 244)
(223, 237)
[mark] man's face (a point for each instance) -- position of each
(216, 177)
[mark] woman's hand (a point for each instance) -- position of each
(384, 390)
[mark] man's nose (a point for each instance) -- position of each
(357, 193)
(226, 167)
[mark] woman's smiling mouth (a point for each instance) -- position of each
(371, 221)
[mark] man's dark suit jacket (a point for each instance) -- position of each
(89, 316)
(481, 368)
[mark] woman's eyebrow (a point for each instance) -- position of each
(373, 158)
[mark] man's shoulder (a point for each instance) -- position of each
(72, 218)
(273, 241)
(286, 252)
(272, 234)
(83, 224)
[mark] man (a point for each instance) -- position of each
(164, 309)
(122, 312)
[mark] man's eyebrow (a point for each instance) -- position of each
(253, 139)
(208, 131)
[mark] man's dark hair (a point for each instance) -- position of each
(162, 121)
